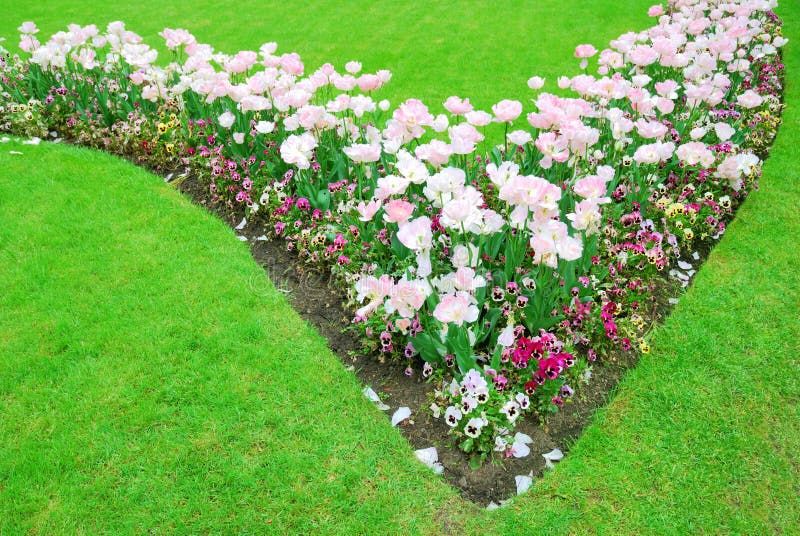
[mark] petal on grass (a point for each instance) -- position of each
(400, 415)
(32, 141)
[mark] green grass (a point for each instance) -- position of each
(152, 378)
(482, 50)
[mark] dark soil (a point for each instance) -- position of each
(311, 295)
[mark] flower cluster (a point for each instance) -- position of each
(503, 266)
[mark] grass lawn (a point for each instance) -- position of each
(153, 380)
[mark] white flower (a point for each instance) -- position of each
(226, 120)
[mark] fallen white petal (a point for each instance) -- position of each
(553, 456)
(523, 483)
(242, 238)
(673, 301)
(682, 276)
(430, 457)
(436, 410)
(371, 394)
(241, 224)
(5, 139)
(690, 273)
(262, 238)
(32, 141)
(696, 256)
(400, 415)
(519, 437)
(14, 152)
(683, 265)
(492, 506)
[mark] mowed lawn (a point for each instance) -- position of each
(152, 380)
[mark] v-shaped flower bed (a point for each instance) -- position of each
(499, 262)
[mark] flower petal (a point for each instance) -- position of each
(400, 415)
(523, 483)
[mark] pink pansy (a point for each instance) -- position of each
(507, 110)
(398, 211)
(456, 309)
(457, 106)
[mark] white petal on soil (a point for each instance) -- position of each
(492, 506)
(673, 301)
(696, 256)
(682, 276)
(690, 273)
(430, 457)
(523, 483)
(242, 238)
(683, 265)
(371, 394)
(241, 224)
(262, 238)
(33, 141)
(552, 456)
(400, 415)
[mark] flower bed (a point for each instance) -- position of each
(500, 269)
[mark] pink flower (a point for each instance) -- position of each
(552, 147)
(363, 152)
(457, 106)
(374, 290)
(436, 152)
(226, 120)
(695, 152)
(749, 99)
(238, 137)
(655, 11)
(352, 67)
(407, 297)
(416, 235)
(585, 51)
(28, 28)
(536, 82)
(456, 308)
(506, 110)
(398, 211)
(413, 115)
(369, 82)
(297, 150)
(592, 187)
(478, 118)
(367, 211)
